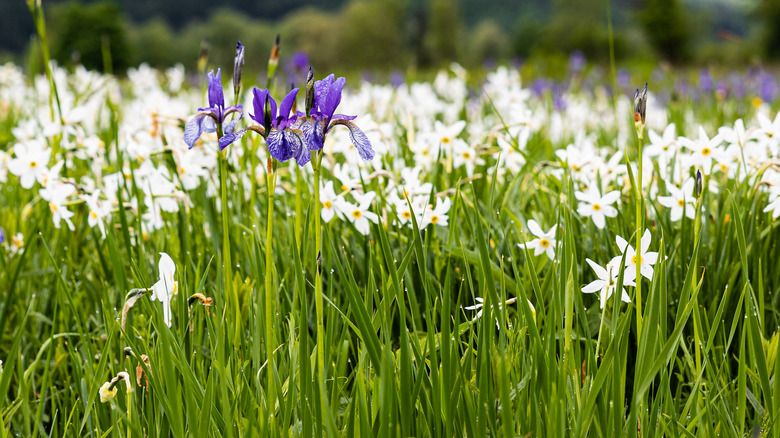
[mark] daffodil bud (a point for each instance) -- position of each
(640, 107)
(309, 91)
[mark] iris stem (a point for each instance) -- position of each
(227, 267)
(318, 283)
(270, 297)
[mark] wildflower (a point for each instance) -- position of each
(438, 215)
(2, 236)
(30, 162)
(216, 113)
(680, 200)
(544, 242)
(481, 303)
(166, 287)
(97, 211)
(606, 284)
(282, 142)
(57, 195)
(108, 390)
(645, 259)
(17, 243)
(662, 146)
(703, 150)
(597, 207)
(329, 200)
(358, 213)
(327, 96)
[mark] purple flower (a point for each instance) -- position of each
(208, 118)
(327, 96)
(283, 138)
(2, 235)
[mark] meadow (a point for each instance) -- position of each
(474, 255)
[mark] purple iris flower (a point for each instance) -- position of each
(2, 235)
(281, 136)
(208, 118)
(327, 96)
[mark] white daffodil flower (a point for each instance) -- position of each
(544, 242)
(703, 150)
(606, 284)
(359, 214)
(645, 259)
(166, 287)
(596, 206)
(680, 200)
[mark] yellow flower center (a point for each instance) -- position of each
(681, 203)
(706, 151)
(406, 215)
(434, 219)
(181, 171)
(33, 164)
(544, 243)
(357, 214)
(52, 207)
(633, 260)
(596, 207)
(327, 204)
(344, 188)
(93, 215)
(467, 155)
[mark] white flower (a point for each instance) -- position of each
(57, 195)
(662, 146)
(359, 214)
(166, 287)
(606, 284)
(106, 393)
(328, 199)
(702, 150)
(481, 303)
(30, 162)
(596, 206)
(97, 211)
(544, 242)
(438, 215)
(680, 200)
(646, 259)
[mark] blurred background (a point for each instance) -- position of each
(387, 37)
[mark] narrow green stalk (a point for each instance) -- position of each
(270, 299)
(298, 203)
(227, 266)
(638, 248)
(318, 283)
(129, 412)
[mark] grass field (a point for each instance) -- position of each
(478, 277)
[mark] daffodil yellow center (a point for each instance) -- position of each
(681, 203)
(93, 215)
(466, 155)
(434, 219)
(327, 204)
(445, 140)
(544, 243)
(633, 259)
(596, 207)
(344, 188)
(406, 215)
(356, 214)
(33, 164)
(52, 207)
(706, 151)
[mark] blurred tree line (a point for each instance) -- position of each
(399, 34)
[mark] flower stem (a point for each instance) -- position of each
(639, 232)
(318, 282)
(227, 266)
(270, 298)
